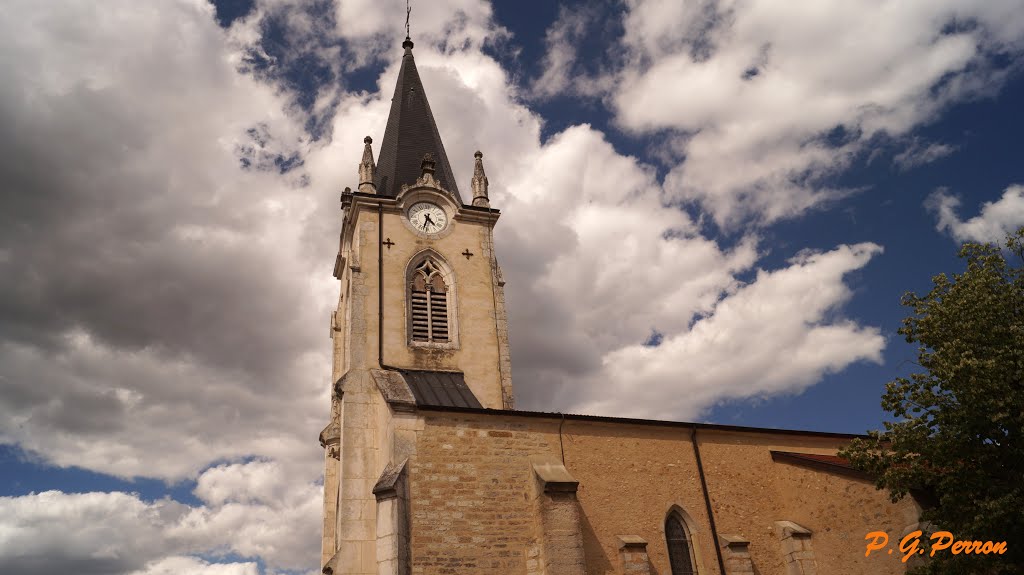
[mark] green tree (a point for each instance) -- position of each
(957, 434)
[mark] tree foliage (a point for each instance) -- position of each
(957, 434)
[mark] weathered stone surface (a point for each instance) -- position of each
(796, 548)
(392, 512)
(330, 439)
(386, 486)
(394, 389)
(633, 555)
(478, 321)
(555, 478)
(632, 541)
(331, 434)
(786, 529)
(736, 553)
(635, 563)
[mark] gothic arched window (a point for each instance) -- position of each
(429, 318)
(679, 546)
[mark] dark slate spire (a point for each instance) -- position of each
(410, 134)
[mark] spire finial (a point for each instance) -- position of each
(427, 165)
(480, 198)
(367, 168)
(408, 39)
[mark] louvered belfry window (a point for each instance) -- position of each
(429, 304)
(678, 546)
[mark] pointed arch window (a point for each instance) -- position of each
(680, 554)
(429, 294)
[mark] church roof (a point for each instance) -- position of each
(410, 134)
(634, 421)
(440, 389)
(822, 462)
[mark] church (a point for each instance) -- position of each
(430, 468)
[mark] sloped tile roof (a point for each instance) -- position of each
(832, 463)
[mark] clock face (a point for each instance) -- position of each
(427, 217)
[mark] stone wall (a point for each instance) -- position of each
(478, 321)
(471, 494)
(474, 501)
(838, 511)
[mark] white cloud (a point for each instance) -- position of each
(582, 228)
(752, 93)
(194, 566)
(462, 19)
(775, 335)
(151, 303)
(996, 219)
(91, 532)
(120, 533)
(561, 41)
(919, 153)
(256, 481)
(259, 509)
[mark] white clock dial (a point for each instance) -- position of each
(427, 217)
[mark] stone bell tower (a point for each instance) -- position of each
(420, 321)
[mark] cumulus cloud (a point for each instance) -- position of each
(996, 219)
(120, 533)
(777, 334)
(258, 509)
(765, 103)
(129, 222)
(578, 252)
(155, 311)
(87, 532)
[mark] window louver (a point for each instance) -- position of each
(429, 304)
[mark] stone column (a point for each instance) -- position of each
(633, 553)
(330, 440)
(736, 552)
(559, 510)
(796, 548)
(357, 506)
(393, 535)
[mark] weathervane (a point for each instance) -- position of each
(408, 10)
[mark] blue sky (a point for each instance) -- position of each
(710, 212)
